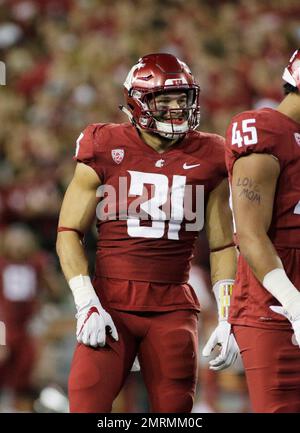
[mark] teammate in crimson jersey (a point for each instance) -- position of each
(263, 161)
(154, 173)
(25, 271)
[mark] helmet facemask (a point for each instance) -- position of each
(159, 114)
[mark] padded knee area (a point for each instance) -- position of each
(174, 402)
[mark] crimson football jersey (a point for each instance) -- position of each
(271, 132)
(149, 200)
(19, 288)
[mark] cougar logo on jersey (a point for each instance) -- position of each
(297, 138)
(117, 155)
(160, 163)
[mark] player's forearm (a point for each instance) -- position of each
(71, 254)
(223, 264)
(259, 252)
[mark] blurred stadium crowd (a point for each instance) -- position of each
(66, 61)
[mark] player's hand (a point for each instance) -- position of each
(136, 365)
(92, 321)
(295, 322)
(223, 337)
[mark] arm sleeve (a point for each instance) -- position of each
(88, 148)
(218, 157)
(251, 132)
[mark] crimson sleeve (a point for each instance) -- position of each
(252, 132)
(218, 159)
(87, 148)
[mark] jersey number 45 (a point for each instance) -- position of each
(247, 135)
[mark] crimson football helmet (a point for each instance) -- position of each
(291, 73)
(153, 75)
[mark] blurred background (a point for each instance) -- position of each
(66, 61)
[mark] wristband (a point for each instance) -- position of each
(82, 289)
(281, 287)
(223, 291)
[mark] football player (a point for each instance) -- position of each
(25, 270)
(153, 172)
(263, 161)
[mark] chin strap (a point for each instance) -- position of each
(127, 112)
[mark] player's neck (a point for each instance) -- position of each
(290, 106)
(157, 142)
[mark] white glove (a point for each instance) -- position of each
(136, 365)
(295, 322)
(222, 336)
(92, 321)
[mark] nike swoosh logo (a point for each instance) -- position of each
(187, 167)
(90, 312)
